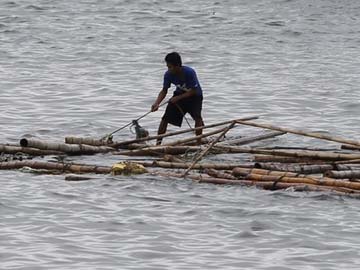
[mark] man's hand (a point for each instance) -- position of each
(154, 107)
(175, 99)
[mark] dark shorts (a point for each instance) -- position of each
(175, 113)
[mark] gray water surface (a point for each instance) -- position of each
(85, 68)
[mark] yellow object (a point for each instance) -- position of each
(127, 168)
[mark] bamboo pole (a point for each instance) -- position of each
(305, 169)
(267, 185)
(159, 149)
(10, 149)
(66, 148)
(218, 174)
(186, 140)
(209, 147)
(58, 166)
(120, 144)
(283, 159)
(88, 141)
(247, 140)
(350, 147)
(198, 166)
(320, 155)
(306, 180)
(353, 174)
(243, 172)
(299, 132)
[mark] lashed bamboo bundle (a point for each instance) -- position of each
(305, 169)
(268, 185)
(306, 180)
(299, 132)
(10, 149)
(353, 174)
(55, 166)
(66, 148)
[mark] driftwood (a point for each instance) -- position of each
(203, 153)
(248, 140)
(56, 166)
(119, 144)
(353, 174)
(9, 149)
(299, 132)
(66, 148)
(305, 169)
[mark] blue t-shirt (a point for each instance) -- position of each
(182, 85)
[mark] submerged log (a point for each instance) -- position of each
(299, 132)
(353, 174)
(298, 168)
(66, 148)
(247, 140)
(56, 166)
(120, 144)
(9, 149)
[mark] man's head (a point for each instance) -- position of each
(173, 62)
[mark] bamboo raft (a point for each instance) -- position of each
(275, 168)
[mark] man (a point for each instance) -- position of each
(187, 96)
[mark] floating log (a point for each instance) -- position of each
(203, 153)
(299, 132)
(353, 174)
(298, 168)
(248, 140)
(66, 148)
(119, 144)
(9, 149)
(59, 166)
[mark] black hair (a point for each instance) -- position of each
(173, 58)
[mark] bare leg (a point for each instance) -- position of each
(162, 129)
(199, 123)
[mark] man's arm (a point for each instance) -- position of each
(160, 98)
(190, 93)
